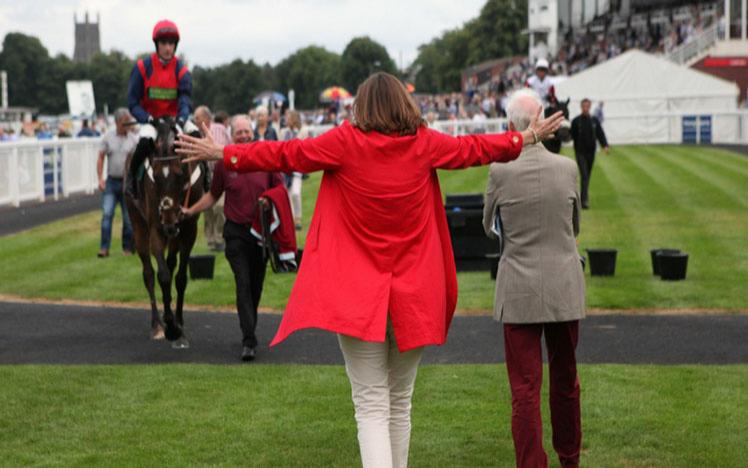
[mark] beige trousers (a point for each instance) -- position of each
(382, 382)
(214, 221)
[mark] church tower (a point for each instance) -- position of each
(86, 39)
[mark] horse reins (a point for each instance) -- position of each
(189, 187)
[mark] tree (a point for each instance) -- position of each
(27, 62)
(362, 57)
(495, 33)
(308, 71)
(110, 74)
(441, 61)
(229, 87)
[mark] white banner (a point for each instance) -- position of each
(81, 98)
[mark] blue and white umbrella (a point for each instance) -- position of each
(269, 96)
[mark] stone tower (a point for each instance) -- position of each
(86, 39)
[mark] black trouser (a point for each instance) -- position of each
(585, 160)
(245, 258)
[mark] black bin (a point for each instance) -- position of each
(493, 264)
(202, 266)
(602, 261)
(673, 266)
(654, 253)
(469, 242)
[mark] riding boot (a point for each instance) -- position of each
(144, 148)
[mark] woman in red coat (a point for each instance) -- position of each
(378, 266)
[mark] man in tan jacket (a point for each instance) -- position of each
(533, 205)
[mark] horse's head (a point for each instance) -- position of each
(170, 177)
(564, 132)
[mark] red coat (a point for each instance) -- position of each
(378, 243)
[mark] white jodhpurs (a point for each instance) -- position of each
(382, 382)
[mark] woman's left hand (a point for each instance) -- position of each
(199, 149)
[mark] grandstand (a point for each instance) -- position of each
(678, 38)
(577, 34)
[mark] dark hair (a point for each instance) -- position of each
(585, 100)
(221, 117)
(384, 105)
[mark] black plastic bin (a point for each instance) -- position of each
(673, 266)
(202, 266)
(654, 253)
(470, 244)
(602, 261)
(493, 262)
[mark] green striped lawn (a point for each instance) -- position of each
(643, 197)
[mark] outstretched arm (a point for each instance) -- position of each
(313, 154)
(475, 150)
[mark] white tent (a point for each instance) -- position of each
(645, 97)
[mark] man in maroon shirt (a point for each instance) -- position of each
(242, 251)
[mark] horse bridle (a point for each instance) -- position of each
(189, 181)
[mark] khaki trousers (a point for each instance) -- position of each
(382, 382)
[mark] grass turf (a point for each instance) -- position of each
(643, 197)
(186, 415)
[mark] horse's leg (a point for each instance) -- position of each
(157, 327)
(142, 246)
(158, 246)
(186, 242)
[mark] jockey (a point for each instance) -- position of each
(160, 86)
(541, 83)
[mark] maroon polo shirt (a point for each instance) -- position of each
(242, 191)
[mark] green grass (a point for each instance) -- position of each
(643, 197)
(187, 415)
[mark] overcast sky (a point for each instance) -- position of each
(218, 31)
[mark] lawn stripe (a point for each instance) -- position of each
(614, 222)
(729, 184)
(715, 232)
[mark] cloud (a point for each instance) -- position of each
(218, 31)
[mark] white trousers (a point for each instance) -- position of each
(382, 382)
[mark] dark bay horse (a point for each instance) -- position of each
(563, 134)
(160, 230)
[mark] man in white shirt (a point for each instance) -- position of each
(540, 82)
(116, 144)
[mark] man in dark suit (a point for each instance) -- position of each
(586, 131)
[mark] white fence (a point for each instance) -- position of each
(50, 169)
(47, 169)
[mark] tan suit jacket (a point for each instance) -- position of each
(540, 277)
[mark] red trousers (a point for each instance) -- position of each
(524, 363)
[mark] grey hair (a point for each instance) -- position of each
(205, 110)
(262, 110)
(519, 112)
(237, 117)
(121, 113)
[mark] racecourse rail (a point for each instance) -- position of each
(40, 170)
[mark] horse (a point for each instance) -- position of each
(563, 134)
(159, 228)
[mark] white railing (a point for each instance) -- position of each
(47, 169)
(50, 169)
(696, 47)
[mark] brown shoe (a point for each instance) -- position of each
(103, 253)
